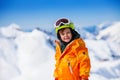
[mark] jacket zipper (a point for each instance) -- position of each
(71, 70)
(70, 67)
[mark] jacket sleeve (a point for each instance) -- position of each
(57, 55)
(84, 63)
(83, 60)
(56, 65)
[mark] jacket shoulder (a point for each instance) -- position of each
(81, 42)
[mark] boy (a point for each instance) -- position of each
(72, 59)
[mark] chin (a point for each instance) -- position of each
(67, 41)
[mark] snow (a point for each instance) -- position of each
(111, 33)
(30, 55)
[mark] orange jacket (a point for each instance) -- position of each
(73, 63)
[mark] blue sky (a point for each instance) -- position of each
(43, 13)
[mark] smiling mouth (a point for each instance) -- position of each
(67, 38)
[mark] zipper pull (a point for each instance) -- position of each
(70, 67)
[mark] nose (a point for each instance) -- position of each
(66, 34)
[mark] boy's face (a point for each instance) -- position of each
(65, 34)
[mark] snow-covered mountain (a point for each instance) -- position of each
(30, 55)
(111, 33)
(105, 31)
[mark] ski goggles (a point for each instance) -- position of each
(61, 22)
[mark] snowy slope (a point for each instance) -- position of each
(25, 55)
(8, 54)
(30, 55)
(105, 60)
(111, 33)
(35, 57)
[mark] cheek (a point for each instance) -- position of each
(70, 35)
(61, 36)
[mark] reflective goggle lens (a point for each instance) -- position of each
(61, 22)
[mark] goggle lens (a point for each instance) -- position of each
(61, 21)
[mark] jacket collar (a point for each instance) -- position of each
(68, 47)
